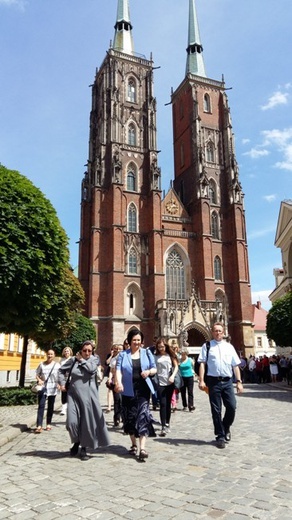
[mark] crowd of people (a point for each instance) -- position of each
(264, 369)
(135, 375)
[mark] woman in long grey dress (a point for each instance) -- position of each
(85, 420)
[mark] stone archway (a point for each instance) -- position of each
(196, 338)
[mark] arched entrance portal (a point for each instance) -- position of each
(195, 338)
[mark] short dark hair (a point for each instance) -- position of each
(132, 333)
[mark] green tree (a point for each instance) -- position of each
(279, 321)
(39, 294)
(83, 330)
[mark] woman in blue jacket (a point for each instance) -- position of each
(132, 379)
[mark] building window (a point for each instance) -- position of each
(8, 376)
(132, 218)
(217, 268)
(131, 178)
(213, 192)
(132, 261)
(175, 276)
(132, 91)
(207, 103)
(210, 155)
(132, 135)
(182, 154)
(259, 341)
(214, 226)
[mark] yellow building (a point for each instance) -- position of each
(11, 346)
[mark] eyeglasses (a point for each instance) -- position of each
(86, 350)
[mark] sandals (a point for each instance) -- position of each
(48, 428)
(143, 455)
(133, 450)
(38, 429)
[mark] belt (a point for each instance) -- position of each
(220, 378)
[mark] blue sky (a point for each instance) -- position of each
(49, 50)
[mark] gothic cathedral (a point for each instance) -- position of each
(170, 266)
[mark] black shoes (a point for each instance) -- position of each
(227, 436)
(220, 442)
(83, 454)
(74, 450)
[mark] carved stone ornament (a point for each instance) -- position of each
(172, 207)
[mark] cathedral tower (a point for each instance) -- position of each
(120, 191)
(171, 267)
(207, 181)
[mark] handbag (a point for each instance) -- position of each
(178, 381)
(154, 377)
(68, 380)
(39, 388)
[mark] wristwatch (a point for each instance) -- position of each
(238, 381)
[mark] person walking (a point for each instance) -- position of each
(186, 369)
(167, 367)
(221, 360)
(85, 421)
(67, 353)
(134, 369)
(47, 376)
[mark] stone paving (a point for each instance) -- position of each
(186, 476)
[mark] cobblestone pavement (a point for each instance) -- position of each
(186, 476)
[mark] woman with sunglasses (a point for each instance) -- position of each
(85, 420)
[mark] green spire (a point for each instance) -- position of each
(123, 40)
(195, 61)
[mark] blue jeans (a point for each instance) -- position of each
(41, 408)
(221, 392)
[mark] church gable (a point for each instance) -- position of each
(172, 206)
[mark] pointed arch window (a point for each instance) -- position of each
(133, 261)
(132, 91)
(213, 192)
(132, 218)
(210, 153)
(175, 276)
(132, 178)
(215, 225)
(132, 137)
(217, 268)
(207, 103)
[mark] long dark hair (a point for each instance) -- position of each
(168, 349)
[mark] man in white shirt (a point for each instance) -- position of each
(221, 360)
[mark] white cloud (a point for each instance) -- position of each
(270, 198)
(263, 297)
(245, 141)
(18, 3)
(278, 98)
(255, 153)
(261, 232)
(282, 140)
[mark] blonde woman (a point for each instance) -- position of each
(67, 353)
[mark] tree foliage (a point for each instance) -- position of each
(83, 330)
(39, 295)
(279, 321)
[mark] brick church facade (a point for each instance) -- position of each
(170, 266)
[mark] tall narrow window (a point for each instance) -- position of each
(217, 268)
(175, 276)
(213, 192)
(132, 91)
(131, 177)
(207, 103)
(132, 135)
(132, 261)
(132, 218)
(214, 225)
(182, 154)
(210, 152)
